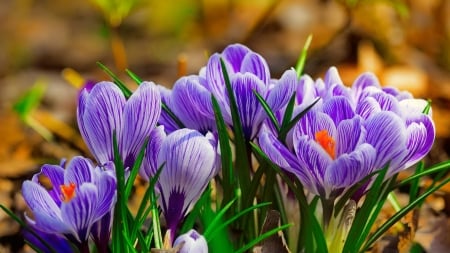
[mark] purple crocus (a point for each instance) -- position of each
(351, 133)
(248, 72)
(73, 201)
(189, 163)
(104, 109)
(192, 242)
(190, 101)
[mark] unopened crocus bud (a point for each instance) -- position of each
(193, 242)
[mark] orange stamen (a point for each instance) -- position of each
(327, 142)
(68, 192)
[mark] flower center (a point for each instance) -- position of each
(327, 142)
(68, 192)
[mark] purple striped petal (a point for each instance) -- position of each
(55, 174)
(332, 78)
(189, 161)
(106, 186)
(214, 76)
(140, 115)
(387, 134)
(313, 122)
(99, 114)
(363, 82)
(255, 64)
(367, 107)
(250, 110)
(420, 138)
(314, 158)
(79, 170)
(350, 133)
(192, 104)
(338, 108)
(234, 54)
(150, 164)
(79, 212)
(280, 94)
(348, 169)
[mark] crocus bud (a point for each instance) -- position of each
(193, 242)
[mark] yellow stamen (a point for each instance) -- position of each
(327, 142)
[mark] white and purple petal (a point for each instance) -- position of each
(140, 114)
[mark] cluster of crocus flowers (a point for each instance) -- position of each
(69, 202)
(348, 134)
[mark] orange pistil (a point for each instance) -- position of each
(327, 142)
(68, 192)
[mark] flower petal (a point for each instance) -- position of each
(150, 164)
(106, 186)
(192, 104)
(255, 64)
(99, 114)
(55, 174)
(363, 82)
(350, 133)
(234, 54)
(79, 170)
(387, 134)
(280, 94)
(338, 108)
(80, 211)
(141, 113)
(189, 161)
(250, 110)
(348, 169)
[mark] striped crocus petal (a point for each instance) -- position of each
(55, 174)
(99, 113)
(283, 157)
(150, 163)
(364, 84)
(79, 212)
(279, 95)
(140, 114)
(189, 164)
(234, 55)
(255, 64)
(192, 104)
(165, 119)
(47, 214)
(387, 134)
(349, 169)
(250, 110)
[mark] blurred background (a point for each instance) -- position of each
(48, 48)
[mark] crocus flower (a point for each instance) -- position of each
(193, 242)
(190, 101)
(75, 200)
(104, 109)
(189, 161)
(351, 133)
(248, 72)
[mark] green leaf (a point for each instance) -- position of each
(133, 76)
(120, 221)
(262, 237)
(302, 59)
(126, 92)
(30, 100)
(285, 128)
(26, 227)
(228, 182)
(437, 168)
(268, 110)
(135, 170)
(364, 216)
(397, 216)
